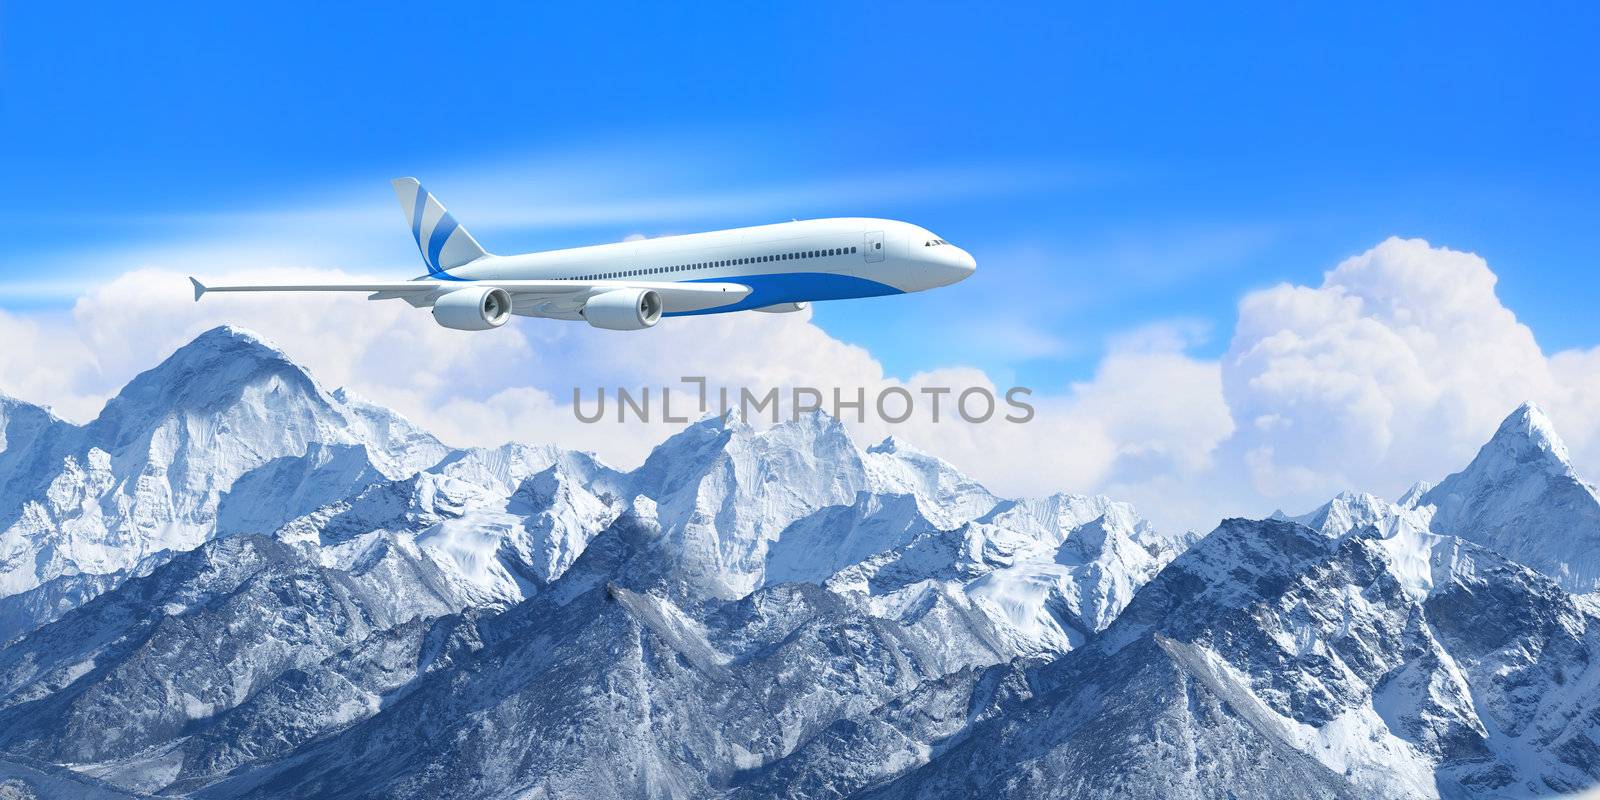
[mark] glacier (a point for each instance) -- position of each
(236, 582)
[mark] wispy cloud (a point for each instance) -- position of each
(540, 196)
(358, 229)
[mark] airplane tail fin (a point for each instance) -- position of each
(444, 243)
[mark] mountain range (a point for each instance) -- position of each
(235, 582)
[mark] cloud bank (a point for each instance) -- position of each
(1397, 367)
(1394, 369)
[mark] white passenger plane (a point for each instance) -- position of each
(631, 285)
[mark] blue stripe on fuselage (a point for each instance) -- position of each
(769, 289)
(792, 287)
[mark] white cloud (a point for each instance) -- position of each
(1149, 408)
(1396, 368)
(42, 363)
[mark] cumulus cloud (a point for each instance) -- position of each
(1394, 369)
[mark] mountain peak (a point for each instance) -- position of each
(222, 346)
(234, 333)
(893, 444)
(1528, 437)
(1522, 498)
(208, 372)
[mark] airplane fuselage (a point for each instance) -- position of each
(785, 263)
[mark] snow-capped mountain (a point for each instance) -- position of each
(1521, 497)
(238, 583)
(1274, 661)
(152, 473)
(1043, 574)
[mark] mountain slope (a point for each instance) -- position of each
(612, 691)
(1272, 660)
(125, 681)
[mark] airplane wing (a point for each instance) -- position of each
(526, 296)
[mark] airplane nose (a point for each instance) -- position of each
(959, 264)
(950, 265)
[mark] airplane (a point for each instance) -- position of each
(631, 285)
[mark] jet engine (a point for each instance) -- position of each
(623, 309)
(473, 309)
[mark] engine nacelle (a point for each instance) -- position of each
(784, 308)
(623, 309)
(473, 309)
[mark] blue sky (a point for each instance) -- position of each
(1108, 167)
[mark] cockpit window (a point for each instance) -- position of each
(934, 243)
